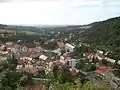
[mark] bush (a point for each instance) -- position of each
(86, 86)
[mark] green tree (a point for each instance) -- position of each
(61, 75)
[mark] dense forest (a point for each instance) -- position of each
(104, 35)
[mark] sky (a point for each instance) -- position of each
(57, 12)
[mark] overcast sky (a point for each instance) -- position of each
(57, 12)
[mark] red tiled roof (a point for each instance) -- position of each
(31, 70)
(103, 69)
(89, 55)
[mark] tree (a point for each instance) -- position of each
(61, 75)
(10, 78)
(40, 74)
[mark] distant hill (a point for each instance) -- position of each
(104, 35)
(68, 28)
(2, 26)
(39, 28)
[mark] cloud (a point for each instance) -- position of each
(5, 1)
(56, 11)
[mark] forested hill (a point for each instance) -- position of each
(2, 26)
(104, 35)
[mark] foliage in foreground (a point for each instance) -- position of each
(10, 79)
(70, 86)
(62, 80)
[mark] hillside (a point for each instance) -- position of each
(104, 35)
(37, 29)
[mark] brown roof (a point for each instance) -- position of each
(31, 70)
(103, 69)
(57, 62)
(30, 49)
(33, 87)
(6, 31)
(36, 55)
(73, 71)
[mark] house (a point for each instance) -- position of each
(89, 56)
(9, 43)
(30, 50)
(71, 62)
(3, 58)
(3, 48)
(43, 57)
(57, 51)
(35, 55)
(66, 39)
(95, 56)
(4, 32)
(2, 35)
(24, 49)
(110, 60)
(62, 59)
(4, 53)
(100, 52)
(17, 46)
(69, 47)
(33, 70)
(60, 44)
(30, 69)
(58, 32)
(102, 69)
(38, 49)
(118, 62)
(26, 58)
(19, 67)
(15, 55)
(99, 56)
(74, 71)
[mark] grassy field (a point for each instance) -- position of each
(28, 32)
(19, 31)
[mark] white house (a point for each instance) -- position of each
(19, 67)
(62, 58)
(101, 52)
(118, 62)
(43, 57)
(28, 66)
(110, 60)
(72, 62)
(9, 43)
(69, 47)
(57, 51)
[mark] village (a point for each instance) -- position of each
(35, 59)
(42, 57)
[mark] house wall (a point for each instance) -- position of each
(72, 62)
(69, 47)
